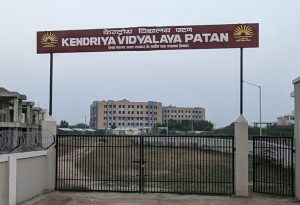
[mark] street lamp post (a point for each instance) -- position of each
(259, 87)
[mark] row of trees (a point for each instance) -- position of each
(274, 130)
(65, 124)
(187, 125)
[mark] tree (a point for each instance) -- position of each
(80, 125)
(63, 124)
(202, 125)
(113, 126)
(188, 125)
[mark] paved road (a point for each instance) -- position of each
(93, 198)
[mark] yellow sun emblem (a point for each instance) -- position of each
(243, 33)
(49, 40)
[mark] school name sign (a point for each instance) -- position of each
(149, 38)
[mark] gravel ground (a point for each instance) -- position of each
(74, 198)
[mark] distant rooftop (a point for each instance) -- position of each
(65, 129)
(76, 129)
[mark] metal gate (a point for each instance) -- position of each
(171, 164)
(273, 169)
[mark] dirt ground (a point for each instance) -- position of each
(93, 198)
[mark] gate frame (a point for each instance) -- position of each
(215, 147)
(289, 155)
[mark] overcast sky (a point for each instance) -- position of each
(205, 78)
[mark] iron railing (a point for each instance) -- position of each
(172, 164)
(273, 165)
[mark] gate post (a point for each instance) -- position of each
(48, 131)
(241, 156)
(296, 83)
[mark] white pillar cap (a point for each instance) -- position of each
(297, 80)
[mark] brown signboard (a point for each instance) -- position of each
(149, 38)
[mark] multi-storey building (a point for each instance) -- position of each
(18, 114)
(183, 113)
(125, 114)
(287, 119)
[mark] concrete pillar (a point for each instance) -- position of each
(12, 181)
(48, 131)
(241, 156)
(28, 114)
(296, 83)
(16, 110)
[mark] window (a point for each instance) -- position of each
(120, 112)
(105, 112)
(110, 106)
(137, 106)
(105, 106)
(123, 112)
(114, 112)
(141, 112)
(141, 106)
(146, 106)
(146, 112)
(114, 106)
(138, 112)
(128, 112)
(132, 112)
